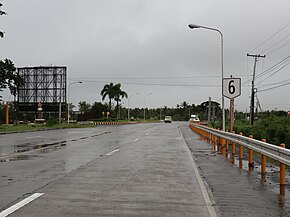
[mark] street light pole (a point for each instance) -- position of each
(194, 26)
(144, 104)
(129, 104)
(68, 107)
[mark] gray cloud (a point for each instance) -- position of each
(117, 41)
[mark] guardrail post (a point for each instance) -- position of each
(251, 163)
(223, 148)
(264, 163)
(233, 147)
(207, 136)
(214, 142)
(282, 175)
(241, 154)
(227, 144)
(218, 142)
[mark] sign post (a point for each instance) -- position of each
(231, 90)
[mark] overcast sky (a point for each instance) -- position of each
(146, 46)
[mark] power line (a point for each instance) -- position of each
(150, 78)
(271, 37)
(152, 84)
(283, 45)
(275, 44)
(278, 70)
(144, 78)
(271, 88)
(275, 83)
(273, 67)
(267, 71)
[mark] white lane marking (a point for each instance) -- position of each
(204, 192)
(21, 204)
(110, 153)
(136, 140)
(32, 137)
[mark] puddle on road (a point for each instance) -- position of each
(17, 158)
(270, 181)
(46, 148)
(41, 146)
(23, 145)
(21, 149)
(272, 176)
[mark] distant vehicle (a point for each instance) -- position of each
(168, 119)
(194, 118)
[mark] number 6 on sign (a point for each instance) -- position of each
(231, 87)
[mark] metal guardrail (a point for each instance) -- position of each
(272, 151)
(221, 139)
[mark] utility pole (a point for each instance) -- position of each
(252, 105)
(213, 113)
(209, 111)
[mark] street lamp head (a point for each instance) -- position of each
(193, 26)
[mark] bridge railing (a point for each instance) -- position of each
(221, 141)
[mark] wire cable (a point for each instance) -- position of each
(275, 83)
(268, 39)
(278, 70)
(152, 84)
(273, 67)
(267, 71)
(283, 45)
(153, 78)
(275, 43)
(271, 88)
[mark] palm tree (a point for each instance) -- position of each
(119, 94)
(109, 91)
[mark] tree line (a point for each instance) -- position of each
(181, 112)
(8, 75)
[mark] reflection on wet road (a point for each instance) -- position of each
(129, 163)
(29, 161)
(237, 190)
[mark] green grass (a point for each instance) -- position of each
(37, 127)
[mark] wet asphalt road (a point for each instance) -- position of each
(133, 170)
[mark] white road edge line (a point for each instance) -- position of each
(206, 197)
(110, 153)
(21, 204)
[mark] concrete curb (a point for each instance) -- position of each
(114, 123)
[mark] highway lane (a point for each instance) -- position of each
(10, 143)
(31, 170)
(143, 169)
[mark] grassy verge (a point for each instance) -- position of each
(37, 127)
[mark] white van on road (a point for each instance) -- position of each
(167, 119)
(194, 118)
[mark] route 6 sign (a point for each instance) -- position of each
(231, 87)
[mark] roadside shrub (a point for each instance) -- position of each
(287, 140)
(51, 122)
(274, 129)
